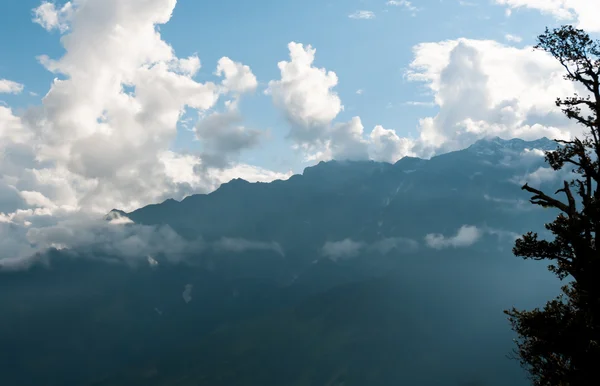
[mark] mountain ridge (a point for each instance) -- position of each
(407, 163)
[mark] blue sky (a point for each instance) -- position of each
(131, 119)
(366, 54)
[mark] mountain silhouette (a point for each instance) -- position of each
(352, 273)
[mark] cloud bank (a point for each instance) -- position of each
(102, 136)
(582, 12)
(482, 89)
(466, 236)
(349, 248)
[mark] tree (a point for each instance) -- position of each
(560, 344)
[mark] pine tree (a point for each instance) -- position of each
(560, 343)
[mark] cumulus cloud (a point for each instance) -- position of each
(466, 236)
(484, 88)
(387, 146)
(102, 136)
(238, 77)
(306, 95)
(583, 11)
(90, 129)
(10, 87)
(223, 137)
(50, 17)
(187, 66)
(347, 141)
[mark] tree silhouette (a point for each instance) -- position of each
(559, 344)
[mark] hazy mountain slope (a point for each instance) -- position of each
(366, 201)
(384, 331)
(269, 296)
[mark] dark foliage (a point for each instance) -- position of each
(559, 344)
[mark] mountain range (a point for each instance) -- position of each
(352, 273)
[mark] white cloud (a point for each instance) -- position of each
(484, 88)
(224, 138)
(116, 218)
(365, 15)
(466, 236)
(12, 131)
(533, 153)
(37, 199)
(387, 146)
(187, 66)
(305, 94)
(94, 133)
(513, 38)
(101, 137)
(190, 172)
(543, 175)
(10, 87)
(238, 77)
(585, 12)
(347, 141)
(349, 248)
(247, 172)
(420, 104)
(29, 232)
(403, 3)
(50, 17)
(339, 250)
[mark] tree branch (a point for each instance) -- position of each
(540, 198)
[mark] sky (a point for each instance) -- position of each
(123, 103)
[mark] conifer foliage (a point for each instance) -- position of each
(560, 343)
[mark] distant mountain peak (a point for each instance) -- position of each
(233, 185)
(117, 216)
(493, 145)
(237, 181)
